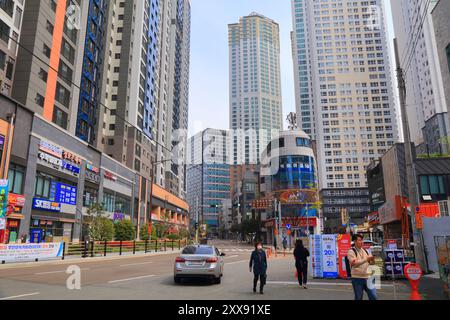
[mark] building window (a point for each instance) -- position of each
(448, 56)
(16, 176)
(42, 189)
(60, 118)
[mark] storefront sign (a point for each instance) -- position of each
(110, 176)
(91, 176)
(51, 149)
(329, 256)
(118, 216)
(90, 167)
(70, 167)
(305, 196)
(65, 194)
(344, 245)
(71, 157)
(4, 187)
(2, 141)
(16, 200)
(30, 252)
(373, 219)
(2, 223)
(50, 159)
(41, 204)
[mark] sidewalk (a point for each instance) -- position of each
(432, 288)
(78, 259)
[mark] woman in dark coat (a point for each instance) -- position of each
(258, 262)
(301, 263)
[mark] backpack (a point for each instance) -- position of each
(347, 263)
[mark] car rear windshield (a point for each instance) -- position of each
(198, 250)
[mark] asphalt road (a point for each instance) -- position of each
(151, 277)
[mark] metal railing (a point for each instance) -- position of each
(104, 248)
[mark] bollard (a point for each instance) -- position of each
(92, 249)
(120, 250)
(134, 246)
(165, 245)
(64, 251)
(146, 245)
(156, 245)
(106, 247)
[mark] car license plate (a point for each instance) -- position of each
(195, 263)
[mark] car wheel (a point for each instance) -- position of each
(177, 279)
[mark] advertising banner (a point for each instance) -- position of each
(4, 187)
(344, 245)
(316, 255)
(329, 264)
(30, 252)
(66, 194)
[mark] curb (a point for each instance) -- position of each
(69, 261)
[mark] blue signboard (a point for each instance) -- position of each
(46, 205)
(63, 193)
(70, 167)
(316, 255)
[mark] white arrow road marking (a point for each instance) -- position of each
(131, 279)
(20, 296)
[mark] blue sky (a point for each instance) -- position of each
(208, 107)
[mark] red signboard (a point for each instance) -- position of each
(344, 245)
(16, 200)
(413, 273)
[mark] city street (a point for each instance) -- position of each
(151, 278)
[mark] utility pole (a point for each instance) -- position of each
(196, 221)
(410, 172)
(280, 222)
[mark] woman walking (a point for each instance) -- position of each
(258, 262)
(301, 255)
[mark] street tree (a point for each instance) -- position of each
(100, 227)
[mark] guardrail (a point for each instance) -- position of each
(103, 248)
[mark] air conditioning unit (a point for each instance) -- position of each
(444, 208)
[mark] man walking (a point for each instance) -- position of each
(360, 260)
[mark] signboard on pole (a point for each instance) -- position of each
(4, 187)
(30, 252)
(344, 245)
(316, 255)
(329, 264)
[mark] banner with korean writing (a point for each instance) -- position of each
(344, 243)
(4, 187)
(30, 252)
(315, 242)
(329, 256)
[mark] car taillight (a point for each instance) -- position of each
(179, 259)
(211, 260)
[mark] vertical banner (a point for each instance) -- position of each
(4, 187)
(329, 263)
(344, 245)
(315, 242)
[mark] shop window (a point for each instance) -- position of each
(16, 177)
(42, 189)
(90, 197)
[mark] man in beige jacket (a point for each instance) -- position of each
(360, 260)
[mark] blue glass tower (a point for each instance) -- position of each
(88, 109)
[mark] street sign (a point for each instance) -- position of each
(288, 226)
(413, 273)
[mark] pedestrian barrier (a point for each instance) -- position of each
(103, 248)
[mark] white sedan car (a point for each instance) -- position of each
(199, 261)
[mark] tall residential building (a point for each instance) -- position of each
(58, 62)
(425, 97)
(11, 13)
(255, 86)
(440, 13)
(346, 87)
(208, 176)
(146, 88)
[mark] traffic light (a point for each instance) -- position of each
(196, 225)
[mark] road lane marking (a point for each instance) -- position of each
(237, 262)
(135, 264)
(52, 272)
(233, 256)
(20, 296)
(131, 279)
(320, 283)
